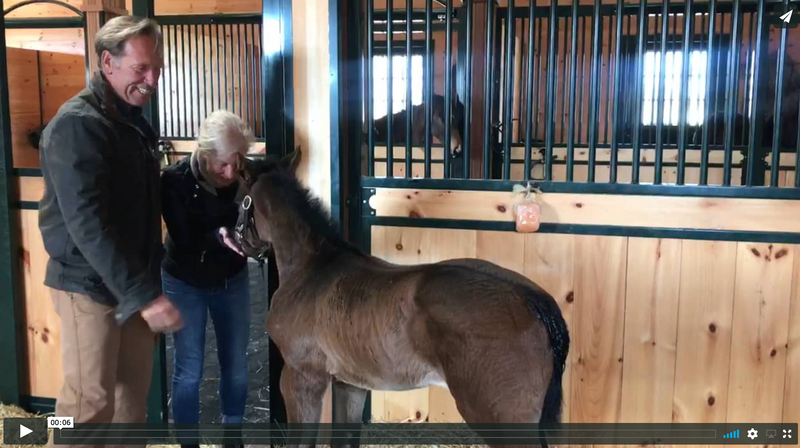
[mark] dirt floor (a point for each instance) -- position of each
(257, 408)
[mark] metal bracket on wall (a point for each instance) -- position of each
(366, 194)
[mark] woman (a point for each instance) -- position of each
(204, 272)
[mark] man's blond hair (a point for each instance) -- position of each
(116, 33)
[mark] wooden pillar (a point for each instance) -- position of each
(97, 12)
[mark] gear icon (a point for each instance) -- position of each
(752, 433)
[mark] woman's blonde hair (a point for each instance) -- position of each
(223, 132)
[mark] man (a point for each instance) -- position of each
(100, 219)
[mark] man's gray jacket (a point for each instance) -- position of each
(100, 216)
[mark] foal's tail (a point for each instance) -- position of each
(547, 310)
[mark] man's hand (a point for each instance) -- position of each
(227, 238)
(161, 315)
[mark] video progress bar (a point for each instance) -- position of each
(432, 434)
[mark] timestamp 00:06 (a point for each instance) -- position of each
(60, 422)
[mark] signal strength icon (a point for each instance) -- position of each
(731, 435)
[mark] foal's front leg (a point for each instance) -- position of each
(348, 407)
(303, 392)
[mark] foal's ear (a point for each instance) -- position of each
(291, 161)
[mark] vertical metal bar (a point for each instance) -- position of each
(409, 107)
(712, 16)
(661, 102)
(448, 94)
(572, 80)
(683, 107)
(582, 63)
(190, 109)
(732, 90)
(776, 122)
(755, 137)
(551, 87)
(749, 61)
(508, 99)
(162, 84)
(238, 69)
(370, 100)
(537, 79)
(197, 75)
(615, 130)
(206, 75)
(247, 60)
(637, 119)
(674, 48)
(184, 92)
(594, 82)
(531, 88)
(487, 111)
(10, 312)
(175, 127)
(466, 131)
(564, 79)
(428, 85)
(389, 100)
(225, 64)
(609, 80)
(219, 64)
(797, 154)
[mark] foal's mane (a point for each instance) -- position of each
(308, 207)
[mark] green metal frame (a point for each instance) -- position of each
(10, 312)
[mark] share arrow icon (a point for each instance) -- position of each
(788, 16)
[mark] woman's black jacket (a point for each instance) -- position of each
(193, 215)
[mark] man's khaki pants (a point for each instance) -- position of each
(107, 367)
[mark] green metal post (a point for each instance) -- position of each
(10, 313)
(157, 397)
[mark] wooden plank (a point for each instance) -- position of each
(61, 77)
(549, 262)
(447, 244)
(311, 96)
(406, 246)
(30, 188)
(704, 331)
(41, 10)
(208, 7)
(23, 79)
(769, 215)
(651, 325)
(502, 248)
(791, 406)
(600, 272)
(64, 40)
(760, 332)
(42, 325)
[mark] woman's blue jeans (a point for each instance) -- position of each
(229, 307)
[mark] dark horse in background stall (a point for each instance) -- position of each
(439, 122)
(456, 124)
(495, 339)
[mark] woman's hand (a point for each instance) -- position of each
(228, 240)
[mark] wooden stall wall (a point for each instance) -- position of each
(663, 330)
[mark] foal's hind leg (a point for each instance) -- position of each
(511, 390)
(303, 392)
(348, 407)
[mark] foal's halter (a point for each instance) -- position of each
(249, 224)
